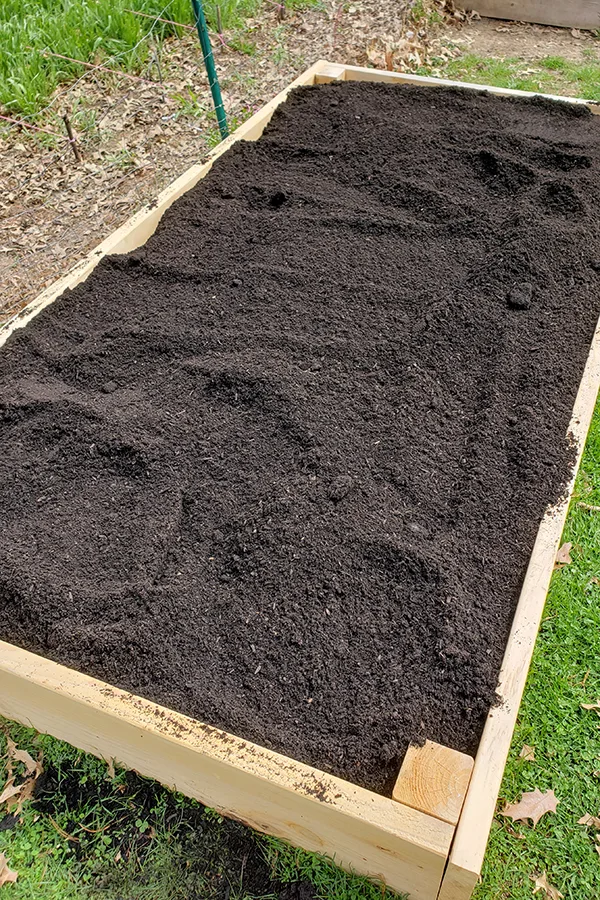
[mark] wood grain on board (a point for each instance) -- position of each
(434, 779)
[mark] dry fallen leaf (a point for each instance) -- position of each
(7, 876)
(27, 790)
(15, 795)
(24, 757)
(527, 753)
(10, 790)
(563, 557)
(589, 820)
(110, 769)
(542, 884)
(595, 706)
(532, 805)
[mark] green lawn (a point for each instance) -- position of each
(96, 31)
(89, 30)
(92, 835)
(551, 75)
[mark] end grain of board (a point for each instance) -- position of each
(285, 464)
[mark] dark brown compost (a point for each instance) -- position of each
(282, 468)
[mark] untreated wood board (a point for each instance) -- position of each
(434, 779)
(361, 830)
(359, 73)
(573, 14)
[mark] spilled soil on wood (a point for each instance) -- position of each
(282, 468)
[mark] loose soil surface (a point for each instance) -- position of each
(282, 468)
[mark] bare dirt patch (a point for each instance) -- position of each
(498, 38)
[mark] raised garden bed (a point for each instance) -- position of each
(282, 468)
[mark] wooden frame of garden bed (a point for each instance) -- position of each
(426, 841)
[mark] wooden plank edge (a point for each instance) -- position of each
(330, 72)
(468, 849)
(137, 229)
(362, 831)
(457, 883)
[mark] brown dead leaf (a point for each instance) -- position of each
(10, 790)
(542, 884)
(527, 753)
(24, 757)
(7, 876)
(595, 706)
(563, 557)
(592, 821)
(15, 795)
(110, 769)
(26, 791)
(532, 805)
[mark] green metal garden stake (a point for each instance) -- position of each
(209, 62)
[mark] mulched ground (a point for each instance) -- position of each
(282, 468)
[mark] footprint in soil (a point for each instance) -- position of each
(501, 174)
(508, 277)
(560, 198)
(425, 204)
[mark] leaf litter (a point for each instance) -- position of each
(527, 753)
(7, 876)
(532, 805)
(590, 821)
(563, 556)
(541, 883)
(20, 785)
